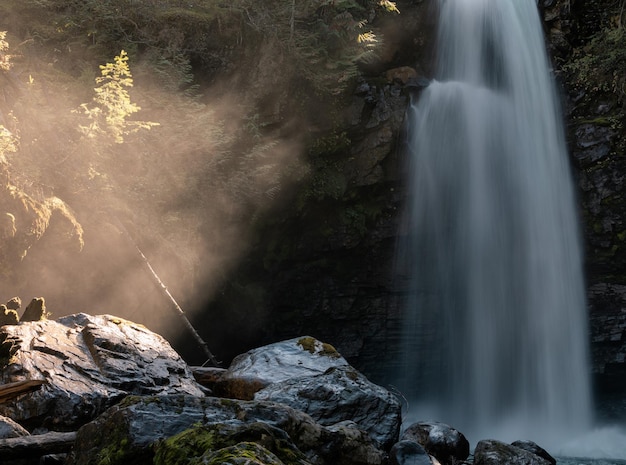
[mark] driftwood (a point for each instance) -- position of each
(37, 445)
(11, 390)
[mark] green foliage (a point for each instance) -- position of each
(600, 66)
(326, 39)
(5, 58)
(111, 106)
(8, 141)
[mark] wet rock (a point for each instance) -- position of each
(608, 329)
(88, 363)
(10, 429)
(339, 394)
(293, 358)
(408, 453)
(533, 447)
(492, 452)
(130, 431)
(593, 143)
(443, 442)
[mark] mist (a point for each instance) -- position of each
(186, 193)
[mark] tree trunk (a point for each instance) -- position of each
(37, 445)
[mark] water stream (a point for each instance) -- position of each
(496, 330)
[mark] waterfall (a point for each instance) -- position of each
(495, 337)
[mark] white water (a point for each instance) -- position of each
(496, 332)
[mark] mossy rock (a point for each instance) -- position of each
(259, 442)
(245, 453)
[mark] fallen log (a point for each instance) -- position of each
(11, 390)
(37, 445)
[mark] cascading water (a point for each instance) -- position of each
(496, 332)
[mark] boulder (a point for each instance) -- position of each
(533, 447)
(339, 394)
(446, 444)
(492, 452)
(313, 377)
(131, 431)
(408, 453)
(89, 363)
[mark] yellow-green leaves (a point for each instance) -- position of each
(5, 59)
(389, 6)
(111, 106)
(8, 141)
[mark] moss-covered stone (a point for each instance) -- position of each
(312, 345)
(258, 442)
(245, 453)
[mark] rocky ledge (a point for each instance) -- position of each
(100, 390)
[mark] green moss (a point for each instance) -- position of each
(227, 443)
(622, 236)
(248, 453)
(312, 345)
(178, 449)
(118, 450)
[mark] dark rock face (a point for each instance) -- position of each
(446, 444)
(89, 363)
(492, 452)
(591, 73)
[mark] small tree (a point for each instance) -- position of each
(8, 141)
(111, 106)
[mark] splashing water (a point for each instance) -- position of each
(496, 332)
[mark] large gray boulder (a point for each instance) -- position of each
(492, 452)
(133, 430)
(313, 377)
(89, 363)
(260, 367)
